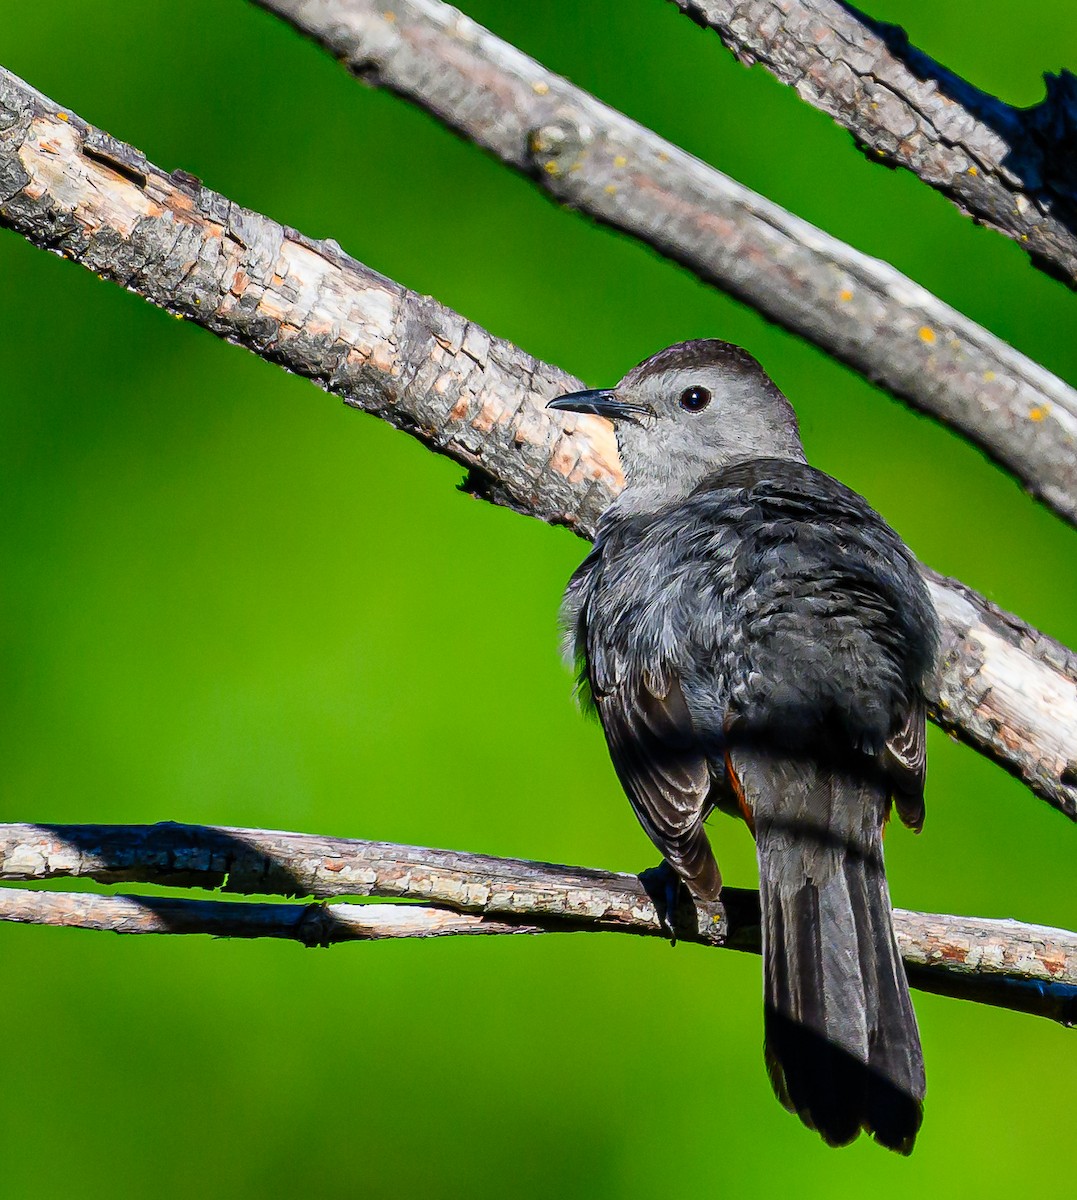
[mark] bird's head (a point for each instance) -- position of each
(686, 412)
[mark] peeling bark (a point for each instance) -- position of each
(1026, 967)
(304, 304)
(589, 156)
(1013, 169)
(1008, 690)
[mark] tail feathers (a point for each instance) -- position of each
(835, 1093)
(841, 1042)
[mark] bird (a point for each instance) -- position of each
(755, 639)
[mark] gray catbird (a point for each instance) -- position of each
(754, 638)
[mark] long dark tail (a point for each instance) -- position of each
(842, 1046)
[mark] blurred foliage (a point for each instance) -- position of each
(227, 599)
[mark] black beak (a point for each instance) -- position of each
(600, 402)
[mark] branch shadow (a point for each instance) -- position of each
(213, 859)
(208, 858)
(1042, 139)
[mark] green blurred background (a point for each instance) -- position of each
(225, 598)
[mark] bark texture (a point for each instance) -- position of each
(1013, 169)
(304, 304)
(1006, 689)
(310, 924)
(589, 156)
(1026, 967)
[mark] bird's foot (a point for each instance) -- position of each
(663, 885)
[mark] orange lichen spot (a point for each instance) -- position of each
(381, 358)
(551, 168)
(389, 16)
(334, 865)
(620, 161)
(62, 117)
(1010, 739)
(540, 87)
(927, 334)
(1037, 413)
(950, 952)
(1055, 963)
(845, 295)
(989, 376)
(973, 171)
(610, 189)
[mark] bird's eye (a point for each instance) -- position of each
(695, 399)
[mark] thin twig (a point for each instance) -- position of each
(858, 309)
(1002, 686)
(1013, 169)
(1025, 967)
(311, 924)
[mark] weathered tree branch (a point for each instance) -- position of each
(1013, 169)
(1003, 687)
(1007, 690)
(590, 156)
(311, 924)
(1025, 967)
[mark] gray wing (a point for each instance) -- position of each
(663, 772)
(615, 634)
(904, 761)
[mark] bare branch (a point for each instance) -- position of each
(1025, 967)
(304, 304)
(1012, 169)
(1008, 690)
(311, 924)
(858, 309)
